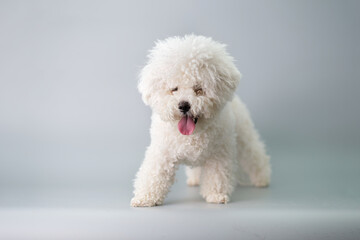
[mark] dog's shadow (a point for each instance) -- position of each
(249, 193)
(240, 194)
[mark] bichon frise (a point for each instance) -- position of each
(189, 83)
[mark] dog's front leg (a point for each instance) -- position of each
(154, 179)
(217, 179)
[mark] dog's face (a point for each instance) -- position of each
(187, 79)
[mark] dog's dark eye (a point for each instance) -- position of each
(173, 90)
(199, 91)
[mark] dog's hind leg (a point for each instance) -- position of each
(251, 152)
(193, 176)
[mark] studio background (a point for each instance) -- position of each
(73, 128)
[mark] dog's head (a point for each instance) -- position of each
(187, 79)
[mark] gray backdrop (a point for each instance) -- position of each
(71, 116)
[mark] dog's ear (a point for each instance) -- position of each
(231, 79)
(146, 84)
(228, 77)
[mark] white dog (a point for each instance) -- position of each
(197, 120)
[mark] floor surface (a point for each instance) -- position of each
(314, 195)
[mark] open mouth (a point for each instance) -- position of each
(186, 125)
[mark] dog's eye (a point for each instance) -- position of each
(173, 90)
(199, 91)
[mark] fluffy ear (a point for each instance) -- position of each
(229, 76)
(232, 78)
(146, 84)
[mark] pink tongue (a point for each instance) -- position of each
(186, 125)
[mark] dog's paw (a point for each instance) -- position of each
(262, 179)
(192, 182)
(217, 198)
(144, 202)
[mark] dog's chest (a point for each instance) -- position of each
(190, 149)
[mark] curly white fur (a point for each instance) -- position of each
(224, 138)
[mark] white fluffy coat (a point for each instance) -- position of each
(224, 140)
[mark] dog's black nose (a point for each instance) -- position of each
(184, 106)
